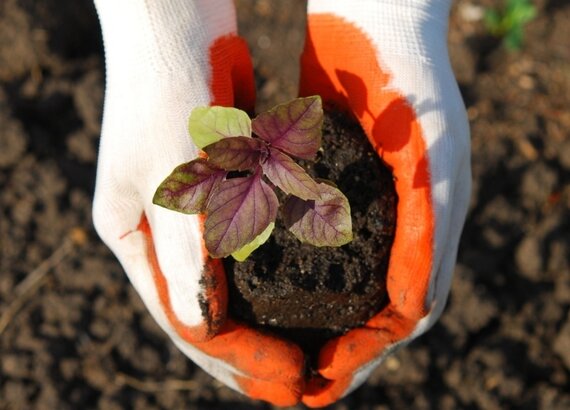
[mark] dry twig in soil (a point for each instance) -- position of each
(33, 281)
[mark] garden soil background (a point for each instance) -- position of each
(82, 338)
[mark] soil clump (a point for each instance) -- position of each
(310, 294)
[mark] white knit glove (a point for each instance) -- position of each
(163, 58)
(386, 62)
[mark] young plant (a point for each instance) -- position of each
(233, 185)
(508, 24)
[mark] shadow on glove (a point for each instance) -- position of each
(340, 63)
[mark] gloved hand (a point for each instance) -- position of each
(163, 58)
(386, 62)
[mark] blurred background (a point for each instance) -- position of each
(75, 335)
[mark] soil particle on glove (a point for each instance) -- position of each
(307, 293)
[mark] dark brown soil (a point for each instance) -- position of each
(310, 294)
(84, 340)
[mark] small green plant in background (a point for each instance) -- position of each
(509, 22)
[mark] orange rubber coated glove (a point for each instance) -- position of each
(386, 63)
(164, 58)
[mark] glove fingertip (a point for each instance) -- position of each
(278, 394)
(345, 355)
(321, 392)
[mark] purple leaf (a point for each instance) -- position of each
(239, 211)
(237, 153)
(188, 188)
(289, 176)
(324, 222)
(294, 127)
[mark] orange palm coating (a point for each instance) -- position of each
(272, 368)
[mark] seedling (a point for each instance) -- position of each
(508, 24)
(233, 184)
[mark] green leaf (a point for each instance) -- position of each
(523, 13)
(510, 21)
(242, 254)
(210, 124)
(513, 39)
(492, 21)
